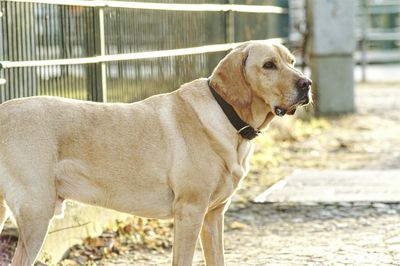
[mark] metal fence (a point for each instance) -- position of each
(378, 32)
(123, 51)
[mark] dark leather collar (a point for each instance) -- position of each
(243, 129)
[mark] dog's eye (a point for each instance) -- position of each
(269, 65)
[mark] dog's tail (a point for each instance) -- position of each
(3, 212)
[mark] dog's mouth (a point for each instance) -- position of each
(304, 100)
(280, 111)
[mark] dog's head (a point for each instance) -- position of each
(264, 70)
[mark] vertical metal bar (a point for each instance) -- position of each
(81, 38)
(53, 69)
(57, 47)
(61, 43)
(13, 43)
(103, 77)
(25, 73)
(70, 24)
(38, 54)
(90, 40)
(6, 48)
(121, 44)
(19, 48)
(230, 24)
(51, 45)
(2, 54)
(43, 54)
(29, 25)
(67, 42)
(28, 43)
(32, 47)
(46, 45)
(75, 34)
(364, 40)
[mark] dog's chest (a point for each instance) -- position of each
(240, 167)
(236, 170)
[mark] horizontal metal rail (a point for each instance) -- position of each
(383, 10)
(383, 3)
(382, 36)
(378, 36)
(162, 6)
(128, 56)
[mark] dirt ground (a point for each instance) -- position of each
(311, 234)
(279, 234)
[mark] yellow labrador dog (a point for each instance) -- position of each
(179, 155)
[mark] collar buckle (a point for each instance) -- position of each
(248, 132)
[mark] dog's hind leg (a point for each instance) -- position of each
(33, 208)
(33, 223)
(3, 212)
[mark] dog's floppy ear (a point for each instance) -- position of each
(229, 78)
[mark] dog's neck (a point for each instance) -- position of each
(257, 114)
(249, 118)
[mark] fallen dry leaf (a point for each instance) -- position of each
(237, 226)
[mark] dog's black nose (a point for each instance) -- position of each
(303, 83)
(279, 111)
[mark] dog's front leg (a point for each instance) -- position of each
(188, 219)
(212, 240)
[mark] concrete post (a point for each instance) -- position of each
(332, 43)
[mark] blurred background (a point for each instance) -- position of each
(115, 51)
